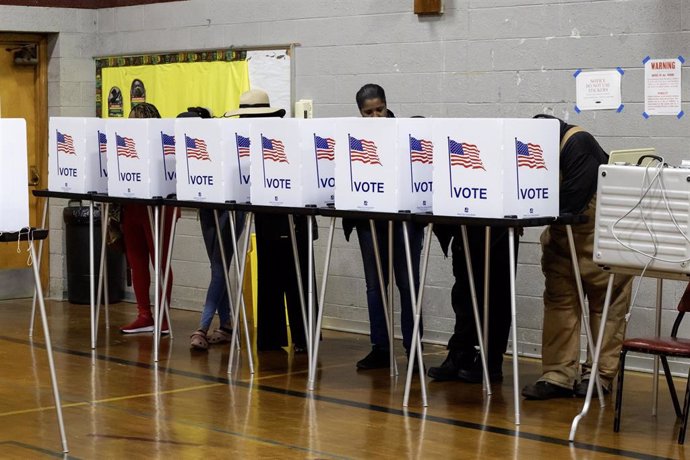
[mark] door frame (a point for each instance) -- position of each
(41, 107)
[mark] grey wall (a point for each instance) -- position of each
(480, 58)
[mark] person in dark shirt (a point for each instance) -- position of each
(580, 158)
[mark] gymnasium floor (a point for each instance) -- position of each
(118, 404)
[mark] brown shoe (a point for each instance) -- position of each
(199, 340)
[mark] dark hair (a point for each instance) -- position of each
(202, 112)
(144, 110)
(370, 91)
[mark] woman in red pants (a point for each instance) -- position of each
(136, 228)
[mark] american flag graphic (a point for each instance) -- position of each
(102, 143)
(421, 151)
(273, 150)
(196, 148)
(529, 155)
(124, 146)
(243, 144)
(65, 144)
(325, 148)
(464, 154)
(364, 151)
(168, 144)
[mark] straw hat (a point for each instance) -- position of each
(255, 103)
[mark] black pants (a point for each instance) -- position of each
(464, 338)
(277, 282)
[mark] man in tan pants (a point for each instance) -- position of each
(580, 158)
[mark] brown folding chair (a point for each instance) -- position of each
(662, 347)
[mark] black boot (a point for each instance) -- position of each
(450, 368)
(378, 358)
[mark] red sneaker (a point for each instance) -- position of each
(143, 323)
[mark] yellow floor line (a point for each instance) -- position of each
(118, 398)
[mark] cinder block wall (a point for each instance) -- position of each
(481, 58)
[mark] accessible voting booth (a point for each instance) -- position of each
(77, 155)
(141, 157)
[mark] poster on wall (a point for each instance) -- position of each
(115, 102)
(137, 94)
(598, 90)
(270, 70)
(662, 87)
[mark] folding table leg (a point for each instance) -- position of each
(226, 267)
(475, 309)
(595, 361)
(513, 314)
(92, 278)
(241, 306)
(657, 330)
(583, 309)
(322, 298)
(384, 296)
(240, 279)
(49, 348)
(38, 262)
(300, 282)
(416, 347)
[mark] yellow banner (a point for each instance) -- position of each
(174, 87)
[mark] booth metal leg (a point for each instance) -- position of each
(156, 290)
(241, 306)
(487, 284)
(240, 279)
(513, 314)
(583, 309)
(49, 348)
(92, 278)
(416, 347)
(322, 298)
(300, 282)
(102, 267)
(595, 361)
(384, 296)
(164, 309)
(38, 262)
(657, 330)
(391, 301)
(226, 268)
(475, 309)
(310, 288)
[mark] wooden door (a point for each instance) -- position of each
(23, 94)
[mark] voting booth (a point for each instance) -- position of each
(496, 167)
(141, 157)
(318, 154)
(282, 173)
(213, 160)
(14, 191)
(415, 164)
(77, 155)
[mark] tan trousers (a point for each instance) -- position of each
(562, 314)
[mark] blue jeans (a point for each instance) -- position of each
(377, 318)
(217, 294)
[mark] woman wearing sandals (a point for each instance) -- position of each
(217, 295)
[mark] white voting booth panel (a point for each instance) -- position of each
(14, 175)
(318, 157)
(496, 167)
(632, 235)
(77, 159)
(365, 164)
(213, 160)
(141, 157)
(281, 174)
(415, 164)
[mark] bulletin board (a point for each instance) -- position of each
(214, 79)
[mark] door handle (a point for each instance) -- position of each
(34, 177)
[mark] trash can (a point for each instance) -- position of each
(76, 219)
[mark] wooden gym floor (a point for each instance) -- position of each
(118, 404)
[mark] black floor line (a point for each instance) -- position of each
(354, 404)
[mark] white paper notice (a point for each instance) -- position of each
(600, 90)
(662, 87)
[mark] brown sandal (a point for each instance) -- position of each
(199, 340)
(220, 336)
